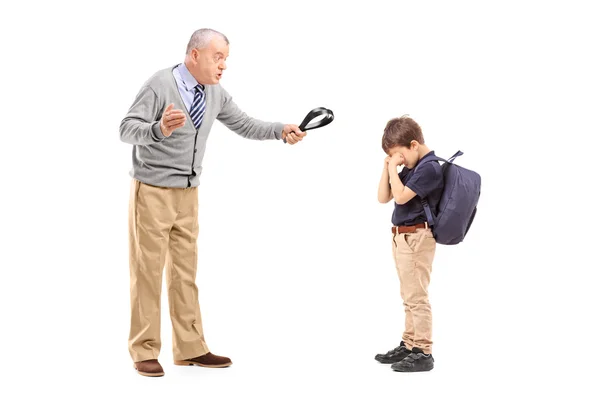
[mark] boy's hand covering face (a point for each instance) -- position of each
(396, 159)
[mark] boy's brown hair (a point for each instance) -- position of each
(400, 132)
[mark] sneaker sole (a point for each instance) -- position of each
(411, 370)
(187, 363)
(388, 361)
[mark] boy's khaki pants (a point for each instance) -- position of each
(163, 229)
(413, 253)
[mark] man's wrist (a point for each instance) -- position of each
(278, 130)
(157, 131)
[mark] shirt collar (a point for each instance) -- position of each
(188, 79)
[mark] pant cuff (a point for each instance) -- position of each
(202, 350)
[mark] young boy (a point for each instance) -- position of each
(413, 243)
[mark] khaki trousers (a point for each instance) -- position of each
(163, 230)
(413, 253)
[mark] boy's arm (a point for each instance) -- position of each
(400, 193)
(384, 194)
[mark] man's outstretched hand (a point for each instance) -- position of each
(292, 134)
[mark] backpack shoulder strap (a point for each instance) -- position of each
(436, 158)
(427, 159)
(428, 212)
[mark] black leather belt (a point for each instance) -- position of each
(306, 125)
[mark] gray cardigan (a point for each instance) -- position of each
(176, 161)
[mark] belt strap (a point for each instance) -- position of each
(408, 229)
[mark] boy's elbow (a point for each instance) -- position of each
(384, 200)
(400, 201)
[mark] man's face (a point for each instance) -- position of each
(208, 64)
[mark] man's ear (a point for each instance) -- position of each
(414, 145)
(195, 55)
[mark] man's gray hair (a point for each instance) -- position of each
(202, 37)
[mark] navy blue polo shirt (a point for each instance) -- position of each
(428, 182)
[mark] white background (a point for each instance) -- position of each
(297, 283)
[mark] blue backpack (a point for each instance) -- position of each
(458, 204)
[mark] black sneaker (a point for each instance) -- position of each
(416, 361)
(393, 356)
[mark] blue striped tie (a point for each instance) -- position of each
(198, 106)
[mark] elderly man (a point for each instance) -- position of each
(168, 125)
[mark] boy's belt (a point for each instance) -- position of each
(407, 229)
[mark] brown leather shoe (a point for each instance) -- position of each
(208, 360)
(149, 368)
